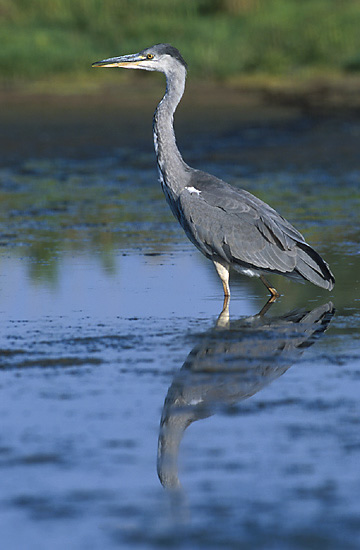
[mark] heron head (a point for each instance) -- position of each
(161, 57)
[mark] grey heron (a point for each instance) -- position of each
(230, 226)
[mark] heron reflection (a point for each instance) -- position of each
(232, 362)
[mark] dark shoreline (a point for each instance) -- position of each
(83, 125)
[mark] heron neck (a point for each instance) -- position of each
(176, 417)
(170, 162)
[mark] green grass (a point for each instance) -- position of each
(219, 38)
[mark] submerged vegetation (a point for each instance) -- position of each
(220, 38)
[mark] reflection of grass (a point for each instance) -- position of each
(50, 209)
(219, 38)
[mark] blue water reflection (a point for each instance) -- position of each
(102, 300)
(231, 363)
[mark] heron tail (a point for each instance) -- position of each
(313, 268)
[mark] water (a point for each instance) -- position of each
(111, 341)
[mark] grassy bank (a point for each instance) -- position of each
(219, 38)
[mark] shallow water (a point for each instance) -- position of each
(116, 366)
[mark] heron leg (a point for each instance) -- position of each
(223, 272)
(274, 293)
(224, 317)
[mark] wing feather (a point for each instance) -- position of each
(237, 227)
(233, 225)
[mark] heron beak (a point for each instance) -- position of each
(128, 61)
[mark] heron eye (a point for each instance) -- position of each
(150, 56)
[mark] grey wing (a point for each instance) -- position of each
(236, 226)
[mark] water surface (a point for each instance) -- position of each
(116, 366)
